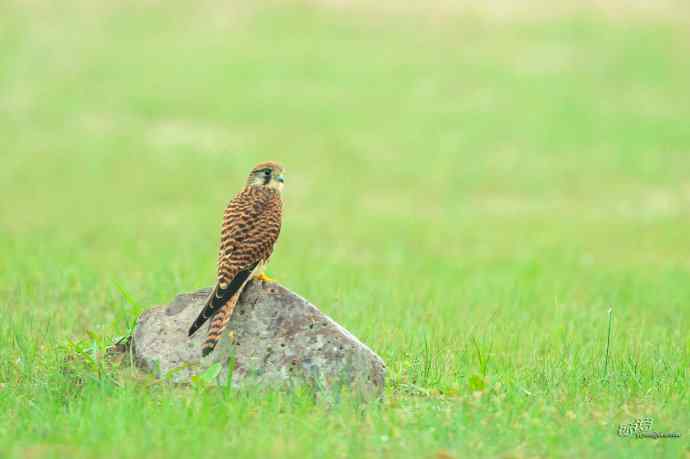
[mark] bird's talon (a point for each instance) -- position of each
(263, 277)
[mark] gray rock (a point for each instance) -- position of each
(275, 339)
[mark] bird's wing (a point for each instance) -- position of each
(251, 226)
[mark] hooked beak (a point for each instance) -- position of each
(280, 178)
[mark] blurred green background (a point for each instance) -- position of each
(470, 188)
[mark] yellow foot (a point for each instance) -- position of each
(263, 277)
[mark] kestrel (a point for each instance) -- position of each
(251, 225)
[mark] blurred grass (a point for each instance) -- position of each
(467, 195)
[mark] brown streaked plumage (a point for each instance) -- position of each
(251, 225)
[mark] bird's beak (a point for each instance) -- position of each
(280, 178)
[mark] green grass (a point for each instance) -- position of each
(467, 195)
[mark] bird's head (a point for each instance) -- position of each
(269, 174)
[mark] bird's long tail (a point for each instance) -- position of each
(219, 297)
(218, 323)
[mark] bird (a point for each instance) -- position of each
(251, 225)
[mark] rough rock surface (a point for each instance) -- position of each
(275, 338)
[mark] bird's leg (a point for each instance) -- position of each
(263, 277)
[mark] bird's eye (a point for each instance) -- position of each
(267, 171)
